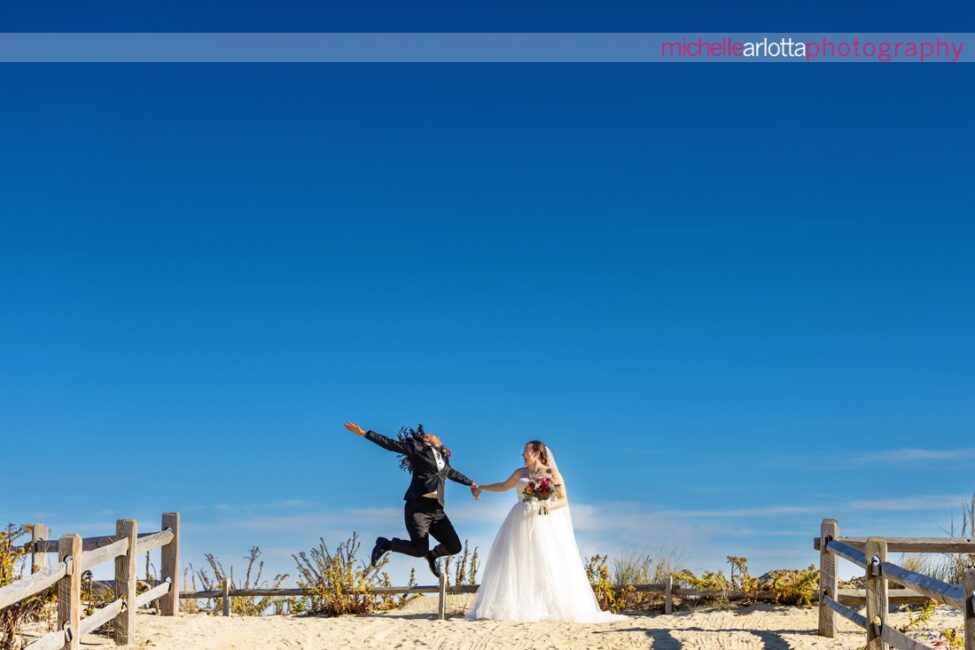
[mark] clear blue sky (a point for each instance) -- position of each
(735, 299)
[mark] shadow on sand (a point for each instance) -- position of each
(662, 639)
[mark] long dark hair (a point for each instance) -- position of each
(409, 435)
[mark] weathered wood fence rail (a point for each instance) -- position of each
(442, 589)
(870, 554)
(666, 588)
(77, 555)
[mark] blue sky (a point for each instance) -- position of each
(734, 299)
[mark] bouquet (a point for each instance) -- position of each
(543, 491)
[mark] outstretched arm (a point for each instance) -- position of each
(506, 484)
(394, 446)
(454, 475)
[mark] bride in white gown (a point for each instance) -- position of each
(534, 571)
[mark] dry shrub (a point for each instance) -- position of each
(947, 567)
(95, 596)
(632, 568)
(914, 562)
(189, 605)
(253, 579)
(951, 567)
(608, 596)
(635, 567)
(465, 572)
(13, 563)
(393, 601)
(339, 584)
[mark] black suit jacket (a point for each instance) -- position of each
(427, 478)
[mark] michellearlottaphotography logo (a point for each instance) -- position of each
(826, 48)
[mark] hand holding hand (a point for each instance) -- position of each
(476, 491)
(355, 428)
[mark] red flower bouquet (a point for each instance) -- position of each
(543, 491)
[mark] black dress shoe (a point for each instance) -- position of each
(434, 567)
(382, 545)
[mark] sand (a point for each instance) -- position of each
(765, 627)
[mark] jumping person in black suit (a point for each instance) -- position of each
(429, 462)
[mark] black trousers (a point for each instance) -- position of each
(425, 517)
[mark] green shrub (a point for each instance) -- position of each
(792, 586)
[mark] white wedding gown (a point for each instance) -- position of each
(534, 571)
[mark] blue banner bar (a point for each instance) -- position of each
(484, 48)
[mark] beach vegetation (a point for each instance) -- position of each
(951, 639)
(791, 586)
(783, 586)
(948, 567)
(711, 581)
(465, 573)
(14, 559)
(94, 596)
(740, 579)
(635, 567)
(338, 583)
(610, 597)
(394, 601)
(916, 619)
(214, 575)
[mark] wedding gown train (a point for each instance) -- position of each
(534, 571)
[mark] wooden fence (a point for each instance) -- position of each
(666, 588)
(442, 590)
(870, 554)
(226, 593)
(77, 555)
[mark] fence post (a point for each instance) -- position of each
(69, 591)
(125, 569)
(969, 584)
(828, 531)
(442, 607)
(877, 603)
(669, 594)
(169, 603)
(38, 560)
(226, 595)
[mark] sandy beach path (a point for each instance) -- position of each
(762, 627)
